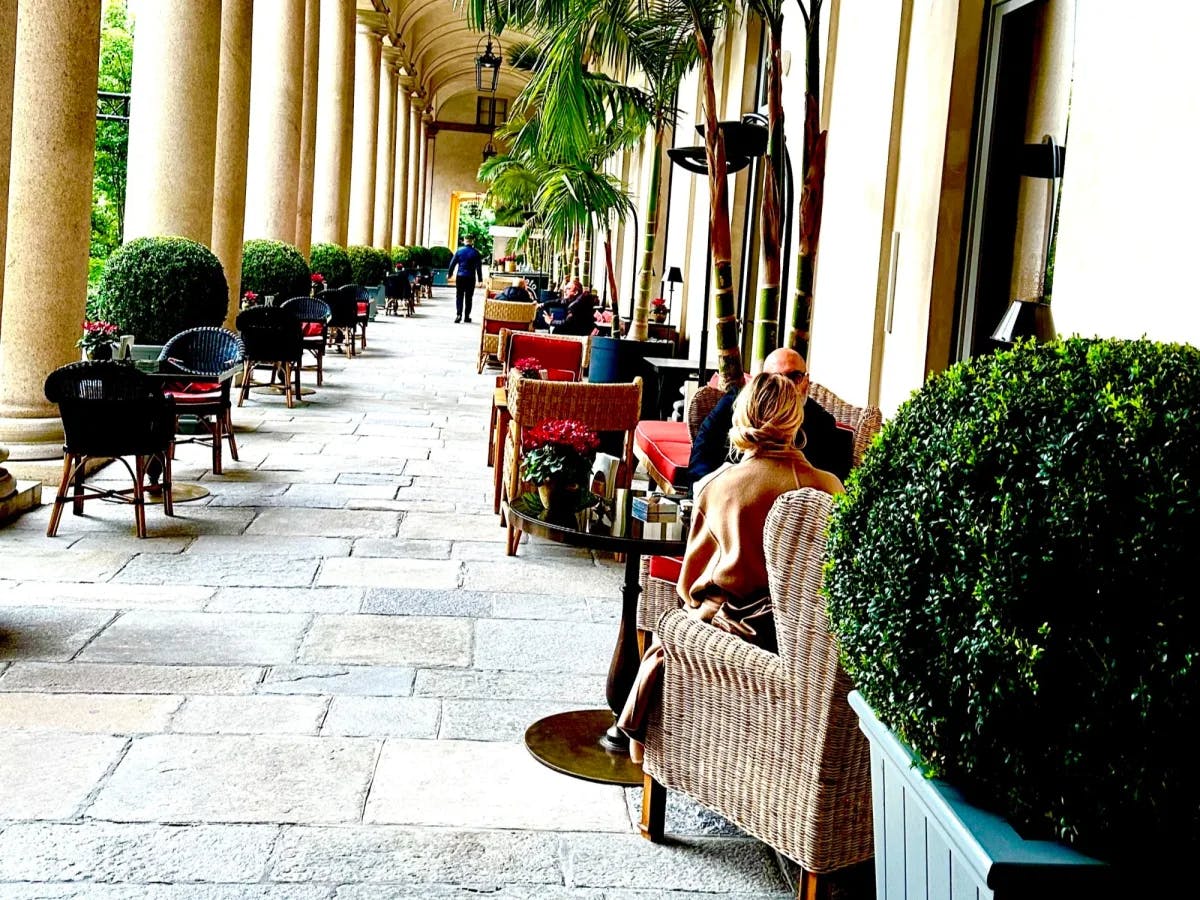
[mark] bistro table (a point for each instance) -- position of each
(181, 491)
(587, 743)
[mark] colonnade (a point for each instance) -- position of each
(295, 120)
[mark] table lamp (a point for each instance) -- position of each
(674, 277)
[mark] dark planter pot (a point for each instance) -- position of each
(102, 351)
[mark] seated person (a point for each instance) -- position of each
(825, 445)
(580, 317)
(723, 578)
(517, 293)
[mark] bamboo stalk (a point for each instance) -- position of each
(639, 329)
(766, 330)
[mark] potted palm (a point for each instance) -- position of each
(1010, 583)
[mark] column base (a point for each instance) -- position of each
(26, 496)
(32, 438)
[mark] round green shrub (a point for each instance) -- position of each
(331, 261)
(419, 256)
(439, 256)
(401, 255)
(1011, 583)
(368, 265)
(274, 268)
(156, 287)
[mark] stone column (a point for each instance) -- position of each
(233, 134)
(414, 166)
(173, 119)
(335, 109)
(400, 181)
(385, 155)
(423, 179)
(367, 52)
(308, 126)
(276, 92)
(8, 48)
(54, 100)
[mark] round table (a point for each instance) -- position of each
(586, 743)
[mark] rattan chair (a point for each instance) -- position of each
(111, 410)
(313, 314)
(363, 312)
(767, 740)
(658, 595)
(343, 316)
(601, 407)
(498, 314)
(273, 341)
(199, 356)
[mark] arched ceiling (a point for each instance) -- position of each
(439, 49)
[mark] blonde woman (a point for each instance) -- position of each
(723, 579)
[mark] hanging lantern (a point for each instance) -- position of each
(487, 65)
(489, 150)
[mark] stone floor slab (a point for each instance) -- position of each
(405, 717)
(250, 715)
(204, 638)
(440, 526)
(365, 571)
(492, 720)
(567, 688)
(268, 569)
(45, 633)
(388, 640)
(233, 778)
(61, 565)
(367, 681)
(325, 523)
(108, 596)
(245, 544)
(562, 575)
(422, 602)
(531, 646)
(69, 766)
(87, 713)
(117, 678)
(289, 600)
(422, 782)
(398, 547)
(90, 891)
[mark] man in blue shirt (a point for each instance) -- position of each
(466, 266)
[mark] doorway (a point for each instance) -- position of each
(469, 216)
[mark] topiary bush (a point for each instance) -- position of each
(401, 255)
(331, 261)
(156, 287)
(1011, 583)
(274, 267)
(368, 265)
(419, 256)
(439, 257)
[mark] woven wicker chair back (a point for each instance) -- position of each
(601, 407)
(308, 309)
(207, 350)
(552, 350)
(865, 420)
(110, 408)
(270, 334)
(701, 405)
(343, 306)
(506, 313)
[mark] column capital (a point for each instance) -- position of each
(393, 57)
(370, 22)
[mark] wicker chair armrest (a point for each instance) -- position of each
(658, 596)
(721, 656)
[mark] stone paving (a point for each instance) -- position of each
(312, 685)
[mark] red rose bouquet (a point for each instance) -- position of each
(560, 450)
(529, 366)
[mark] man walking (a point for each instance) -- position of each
(466, 266)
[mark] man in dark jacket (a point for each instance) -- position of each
(825, 445)
(466, 265)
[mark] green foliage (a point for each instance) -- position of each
(439, 256)
(331, 261)
(419, 256)
(1012, 581)
(368, 265)
(274, 267)
(112, 138)
(474, 220)
(401, 255)
(154, 288)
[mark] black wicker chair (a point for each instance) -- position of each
(199, 356)
(313, 313)
(363, 311)
(111, 410)
(273, 341)
(343, 316)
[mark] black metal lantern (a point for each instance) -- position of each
(489, 150)
(744, 140)
(487, 65)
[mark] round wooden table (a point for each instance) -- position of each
(587, 743)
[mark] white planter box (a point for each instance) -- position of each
(931, 844)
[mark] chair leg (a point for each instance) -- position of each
(60, 499)
(246, 370)
(216, 430)
(810, 886)
(287, 384)
(139, 495)
(654, 809)
(167, 481)
(228, 426)
(514, 538)
(321, 367)
(77, 505)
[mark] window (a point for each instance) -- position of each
(491, 111)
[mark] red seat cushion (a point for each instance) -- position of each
(197, 392)
(667, 445)
(561, 375)
(666, 567)
(362, 309)
(311, 329)
(553, 353)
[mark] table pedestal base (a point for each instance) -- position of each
(181, 492)
(578, 743)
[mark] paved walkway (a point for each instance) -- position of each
(314, 683)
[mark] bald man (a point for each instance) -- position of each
(825, 445)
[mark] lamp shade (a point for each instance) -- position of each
(674, 276)
(1025, 318)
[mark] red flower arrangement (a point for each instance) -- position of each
(658, 302)
(529, 366)
(318, 280)
(559, 449)
(97, 333)
(250, 298)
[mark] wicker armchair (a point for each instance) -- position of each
(199, 356)
(601, 407)
(314, 328)
(273, 341)
(110, 409)
(767, 740)
(499, 314)
(343, 316)
(658, 595)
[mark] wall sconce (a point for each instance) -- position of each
(487, 65)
